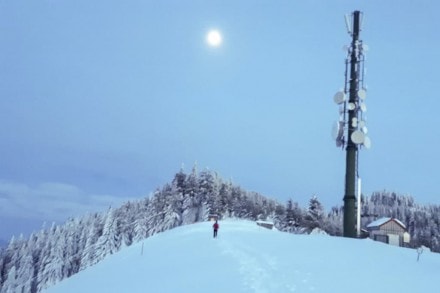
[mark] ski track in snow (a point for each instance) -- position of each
(258, 270)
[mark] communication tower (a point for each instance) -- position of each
(350, 131)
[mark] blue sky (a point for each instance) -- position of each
(103, 101)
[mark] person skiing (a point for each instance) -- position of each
(215, 227)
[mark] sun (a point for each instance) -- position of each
(214, 38)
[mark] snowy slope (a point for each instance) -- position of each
(248, 258)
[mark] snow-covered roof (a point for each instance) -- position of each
(264, 222)
(382, 221)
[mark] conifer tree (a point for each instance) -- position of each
(315, 214)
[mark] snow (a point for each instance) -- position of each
(249, 258)
(378, 222)
(381, 221)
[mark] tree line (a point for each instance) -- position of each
(52, 254)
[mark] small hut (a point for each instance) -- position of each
(390, 231)
(213, 217)
(265, 224)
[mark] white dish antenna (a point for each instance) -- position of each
(364, 129)
(358, 137)
(367, 142)
(362, 94)
(339, 97)
(354, 122)
(363, 107)
(351, 106)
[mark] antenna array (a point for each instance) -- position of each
(355, 129)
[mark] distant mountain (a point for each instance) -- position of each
(3, 243)
(248, 258)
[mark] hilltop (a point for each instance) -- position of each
(50, 255)
(248, 258)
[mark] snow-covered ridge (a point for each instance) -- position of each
(51, 255)
(249, 258)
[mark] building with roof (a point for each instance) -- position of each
(265, 224)
(389, 230)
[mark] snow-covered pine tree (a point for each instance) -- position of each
(172, 209)
(25, 273)
(10, 284)
(12, 261)
(141, 221)
(293, 219)
(333, 222)
(315, 214)
(50, 266)
(223, 203)
(94, 224)
(110, 240)
(127, 214)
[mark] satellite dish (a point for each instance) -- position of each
(354, 122)
(367, 142)
(363, 107)
(357, 137)
(362, 94)
(339, 97)
(351, 106)
(364, 129)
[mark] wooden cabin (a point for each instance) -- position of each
(390, 231)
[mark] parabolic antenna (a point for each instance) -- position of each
(363, 107)
(354, 122)
(362, 94)
(364, 129)
(367, 142)
(351, 106)
(357, 137)
(339, 97)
